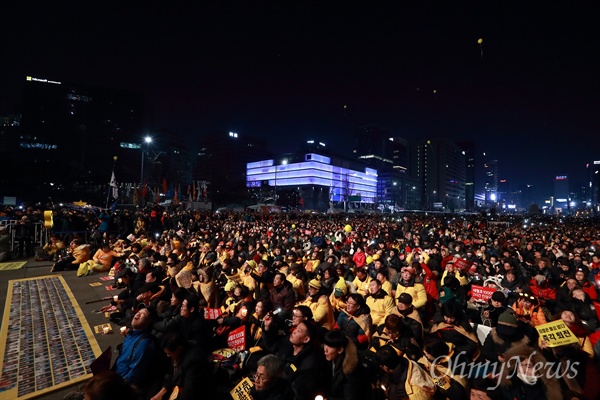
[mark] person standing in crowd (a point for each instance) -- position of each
(24, 231)
(4, 244)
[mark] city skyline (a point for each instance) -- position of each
(527, 94)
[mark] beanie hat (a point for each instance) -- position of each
(340, 288)
(229, 286)
(315, 284)
(508, 318)
(405, 298)
(499, 297)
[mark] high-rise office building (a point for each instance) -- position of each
(491, 181)
(439, 165)
(221, 161)
(69, 134)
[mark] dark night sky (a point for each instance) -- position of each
(285, 71)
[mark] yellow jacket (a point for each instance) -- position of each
(417, 291)
(381, 307)
(322, 311)
(362, 288)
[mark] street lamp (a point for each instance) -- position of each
(147, 140)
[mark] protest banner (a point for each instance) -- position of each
(464, 265)
(481, 293)
(236, 339)
(212, 313)
(242, 390)
(556, 333)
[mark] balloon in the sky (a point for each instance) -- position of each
(479, 41)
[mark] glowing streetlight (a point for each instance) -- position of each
(147, 141)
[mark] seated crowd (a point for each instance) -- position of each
(360, 309)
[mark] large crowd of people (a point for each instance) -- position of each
(346, 307)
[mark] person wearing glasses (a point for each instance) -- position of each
(355, 321)
(268, 381)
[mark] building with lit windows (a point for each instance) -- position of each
(562, 195)
(439, 165)
(68, 135)
(491, 181)
(319, 182)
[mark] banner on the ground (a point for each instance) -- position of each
(556, 333)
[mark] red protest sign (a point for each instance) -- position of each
(463, 264)
(482, 293)
(212, 313)
(237, 339)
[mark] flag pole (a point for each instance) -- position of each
(109, 184)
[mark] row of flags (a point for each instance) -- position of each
(196, 191)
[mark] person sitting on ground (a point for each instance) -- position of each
(395, 332)
(190, 372)
(134, 363)
(527, 310)
(380, 302)
(318, 302)
(303, 362)
(79, 253)
(103, 259)
(403, 378)
(435, 362)
(355, 321)
(268, 380)
(452, 326)
(51, 250)
(346, 375)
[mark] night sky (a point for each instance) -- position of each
(529, 95)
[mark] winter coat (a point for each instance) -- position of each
(416, 290)
(381, 306)
(321, 309)
(347, 379)
(547, 387)
(408, 380)
(357, 327)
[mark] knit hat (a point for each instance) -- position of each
(499, 297)
(508, 318)
(340, 288)
(405, 298)
(315, 284)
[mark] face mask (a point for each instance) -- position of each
(527, 379)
